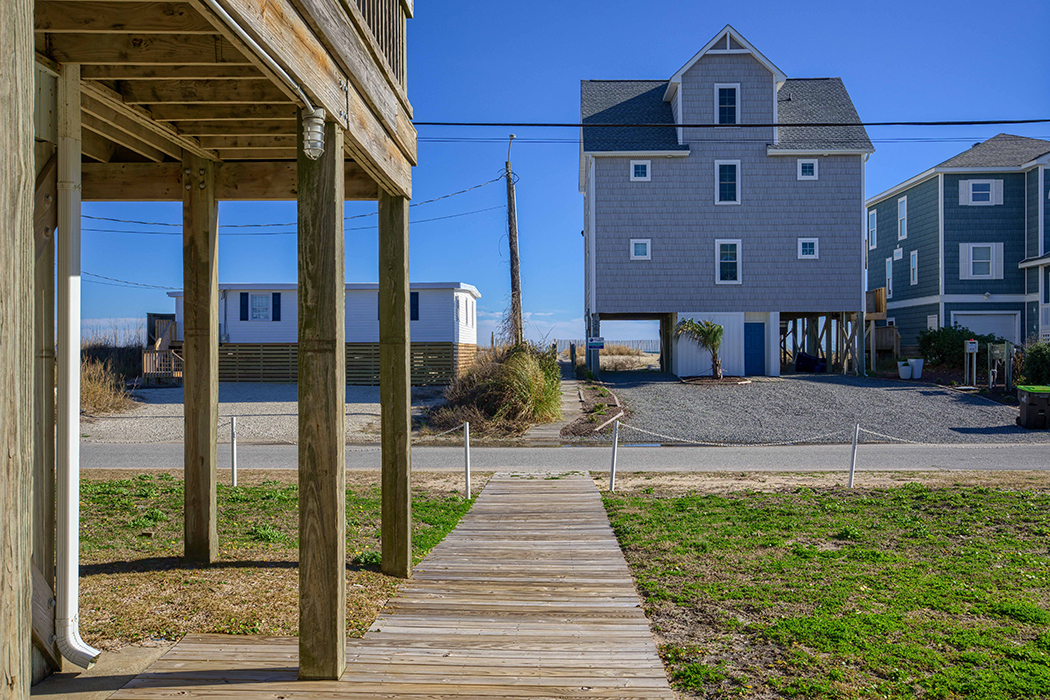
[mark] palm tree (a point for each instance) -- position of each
(706, 334)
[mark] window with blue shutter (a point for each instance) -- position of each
(244, 306)
(413, 303)
(275, 307)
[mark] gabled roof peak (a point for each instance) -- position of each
(727, 41)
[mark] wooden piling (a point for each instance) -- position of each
(322, 398)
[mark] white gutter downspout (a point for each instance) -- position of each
(67, 483)
(313, 118)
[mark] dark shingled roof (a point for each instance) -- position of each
(627, 102)
(1002, 151)
(642, 102)
(802, 100)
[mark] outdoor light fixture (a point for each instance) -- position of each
(987, 295)
(313, 133)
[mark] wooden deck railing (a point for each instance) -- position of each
(161, 364)
(386, 20)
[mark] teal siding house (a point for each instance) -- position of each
(966, 243)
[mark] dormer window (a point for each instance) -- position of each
(727, 103)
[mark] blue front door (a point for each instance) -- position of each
(754, 349)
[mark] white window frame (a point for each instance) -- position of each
(891, 321)
(816, 169)
(648, 249)
(816, 249)
(913, 267)
(739, 184)
(933, 322)
(969, 193)
(902, 221)
(722, 86)
(648, 171)
(991, 261)
(873, 229)
(719, 242)
(889, 278)
(251, 305)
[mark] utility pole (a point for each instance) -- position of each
(517, 328)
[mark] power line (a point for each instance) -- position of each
(287, 233)
(346, 218)
(576, 141)
(126, 283)
(603, 125)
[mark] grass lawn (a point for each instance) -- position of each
(135, 586)
(896, 592)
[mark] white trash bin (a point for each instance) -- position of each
(904, 369)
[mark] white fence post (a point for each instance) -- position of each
(853, 458)
(233, 450)
(466, 456)
(612, 468)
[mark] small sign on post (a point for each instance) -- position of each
(970, 364)
(596, 343)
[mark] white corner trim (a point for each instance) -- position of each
(1042, 211)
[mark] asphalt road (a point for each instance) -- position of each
(871, 457)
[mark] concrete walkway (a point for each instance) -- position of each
(529, 597)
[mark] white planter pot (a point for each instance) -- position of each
(916, 368)
(904, 369)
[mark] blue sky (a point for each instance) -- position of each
(518, 61)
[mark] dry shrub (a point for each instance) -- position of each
(621, 363)
(101, 389)
(619, 349)
(504, 392)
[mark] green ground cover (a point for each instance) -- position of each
(137, 587)
(895, 593)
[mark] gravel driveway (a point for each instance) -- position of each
(807, 407)
(266, 413)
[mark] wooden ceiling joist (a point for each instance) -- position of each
(176, 112)
(119, 17)
(92, 123)
(250, 92)
(235, 128)
(273, 154)
(286, 141)
(162, 182)
(95, 146)
(142, 49)
(226, 71)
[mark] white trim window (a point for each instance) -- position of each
(913, 267)
(641, 249)
(259, 310)
(727, 182)
(902, 218)
(980, 261)
(873, 230)
(808, 248)
(889, 278)
(727, 261)
(980, 193)
(891, 321)
(932, 322)
(727, 104)
(807, 169)
(641, 171)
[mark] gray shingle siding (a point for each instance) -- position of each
(911, 320)
(756, 97)
(923, 236)
(1001, 223)
(676, 210)
(1046, 205)
(1032, 248)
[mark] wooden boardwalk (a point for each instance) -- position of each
(529, 597)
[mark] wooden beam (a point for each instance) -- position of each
(370, 145)
(108, 133)
(246, 92)
(44, 620)
(271, 154)
(264, 141)
(221, 112)
(16, 370)
(155, 72)
(162, 182)
(395, 386)
(96, 146)
(119, 17)
(142, 49)
(200, 217)
(232, 129)
(137, 122)
(322, 396)
(45, 206)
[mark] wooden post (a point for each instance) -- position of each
(322, 399)
(394, 385)
(16, 368)
(859, 326)
(200, 222)
(827, 341)
(517, 327)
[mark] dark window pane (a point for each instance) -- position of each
(727, 183)
(727, 105)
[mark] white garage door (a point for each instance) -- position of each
(1004, 325)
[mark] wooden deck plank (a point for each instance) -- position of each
(529, 597)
